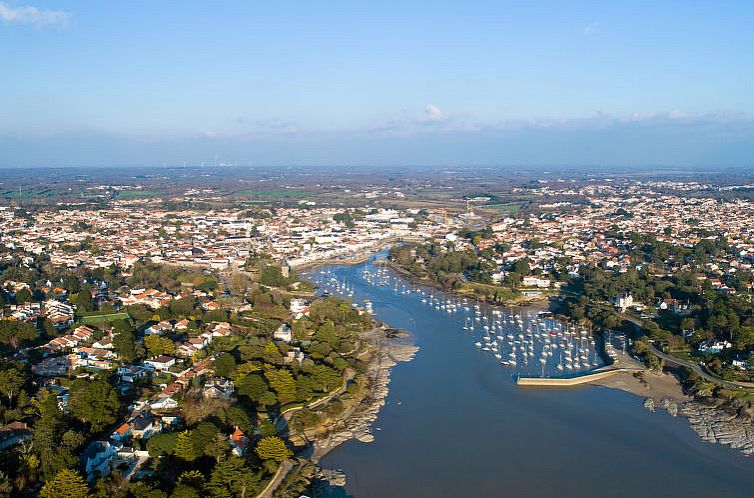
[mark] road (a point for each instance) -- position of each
(690, 364)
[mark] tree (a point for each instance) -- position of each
(157, 345)
(66, 483)
(253, 386)
(272, 448)
(84, 301)
(283, 383)
(272, 353)
(162, 444)
(184, 447)
(14, 333)
(95, 402)
(23, 296)
(11, 381)
(218, 448)
(124, 344)
(183, 307)
(225, 365)
(326, 378)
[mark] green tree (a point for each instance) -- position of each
(162, 444)
(183, 307)
(283, 383)
(13, 332)
(11, 381)
(157, 345)
(225, 365)
(95, 402)
(23, 296)
(84, 300)
(124, 344)
(66, 484)
(272, 448)
(253, 386)
(184, 447)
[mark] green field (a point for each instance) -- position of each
(126, 195)
(111, 317)
(272, 194)
(510, 208)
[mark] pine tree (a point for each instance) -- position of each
(66, 483)
(184, 447)
(272, 448)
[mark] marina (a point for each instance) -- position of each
(456, 424)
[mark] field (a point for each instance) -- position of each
(275, 194)
(92, 319)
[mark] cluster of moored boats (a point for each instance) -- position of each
(515, 339)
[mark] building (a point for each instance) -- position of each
(161, 362)
(283, 333)
(624, 300)
(96, 459)
(239, 442)
(13, 434)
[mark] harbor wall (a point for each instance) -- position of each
(571, 381)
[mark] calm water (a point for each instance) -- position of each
(455, 424)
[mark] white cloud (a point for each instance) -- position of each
(32, 16)
(433, 113)
(591, 28)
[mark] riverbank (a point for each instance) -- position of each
(388, 347)
(715, 420)
(351, 412)
(539, 302)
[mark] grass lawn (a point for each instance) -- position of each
(111, 317)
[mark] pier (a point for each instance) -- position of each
(572, 381)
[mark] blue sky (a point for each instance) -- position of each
(351, 82)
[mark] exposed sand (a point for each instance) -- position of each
(647, 385)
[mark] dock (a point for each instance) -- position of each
(572, 381)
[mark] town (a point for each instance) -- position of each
(149, 348)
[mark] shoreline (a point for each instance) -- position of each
(710, 418)
(534, 302)
(714, 420)
(386, 352)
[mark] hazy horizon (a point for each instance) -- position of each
(586, 83)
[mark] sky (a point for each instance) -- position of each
(376, 82)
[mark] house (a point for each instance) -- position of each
(122, 432)
(161, 362)
(197, 342)
(741, 364)
(283, 333)
(239, 442)
(163, 403)
(221, 330)
(299, 307)
(13, 434)
(218, 387)
(144, 426)
(624, 300)
(186, 349)
(104, 343)
(96, 459)
(129, 373)
(294, 354)
(534, 281)
(714, 347)
(182, 325)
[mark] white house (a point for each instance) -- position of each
(624, 300)
(283, 333)
(714, 347)
(161, 362)
(96, 459)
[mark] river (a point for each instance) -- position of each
(455, 424)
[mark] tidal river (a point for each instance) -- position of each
(455, 424)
